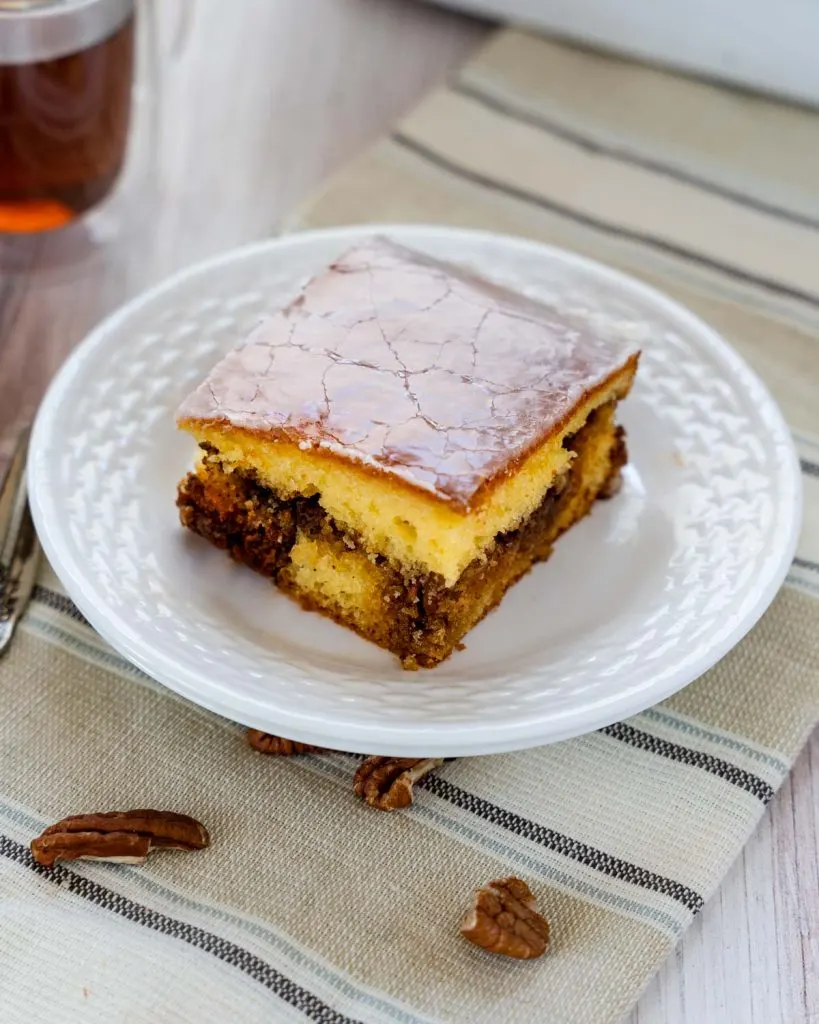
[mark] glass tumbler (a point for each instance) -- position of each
(79, 107)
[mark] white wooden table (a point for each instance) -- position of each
(264, 100)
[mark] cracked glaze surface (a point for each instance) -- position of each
(406, 363)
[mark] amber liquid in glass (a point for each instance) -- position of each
(63, 130)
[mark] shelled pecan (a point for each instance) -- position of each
(503, 920)
(386, 782)
(125, 837)
(267, 743)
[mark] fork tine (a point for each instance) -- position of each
(19, 547)
(12, 500)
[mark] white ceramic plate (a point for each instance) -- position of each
(637, 601)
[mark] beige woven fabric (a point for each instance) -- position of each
(310, 906)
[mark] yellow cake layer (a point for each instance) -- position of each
(408, 525)
(351, 588)
(343, 584)
(350, 585)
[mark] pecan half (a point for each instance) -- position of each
(267, 743)
(503, 920)
(386, 782)
(125, 837)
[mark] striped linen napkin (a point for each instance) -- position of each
(309, 905)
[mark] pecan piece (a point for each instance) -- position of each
(267, 743)
(503, 920)
(116, 847)
(386, 782)
(125, 837)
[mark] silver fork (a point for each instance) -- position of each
(19, 547)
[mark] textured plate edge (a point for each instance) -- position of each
(415, 741)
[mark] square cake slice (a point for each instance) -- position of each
(401, 443)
